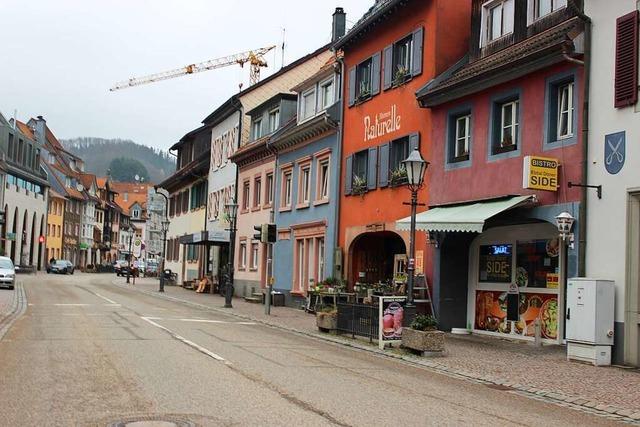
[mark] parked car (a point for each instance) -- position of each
(61, 266)
(121, 266)
(7, 272)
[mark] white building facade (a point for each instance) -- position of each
(613, 222)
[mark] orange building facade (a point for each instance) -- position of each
(392, 51)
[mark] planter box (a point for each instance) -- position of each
(327, 321)
(423, 341)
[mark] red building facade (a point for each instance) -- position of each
(506, 144)
(392, 51)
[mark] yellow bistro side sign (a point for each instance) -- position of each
(540, 173)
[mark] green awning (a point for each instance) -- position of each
(462, 218)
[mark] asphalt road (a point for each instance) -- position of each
(89, 353)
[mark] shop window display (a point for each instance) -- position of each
(537, 263)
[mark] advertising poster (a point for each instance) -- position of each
(491, 314)
(495, 263)
(391, 316)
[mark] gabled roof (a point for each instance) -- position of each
(529, 55)
(380, 10)
(25, 130)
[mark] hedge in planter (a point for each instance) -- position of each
(327, 319)
(422, 335)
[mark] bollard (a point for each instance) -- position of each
(537, 334)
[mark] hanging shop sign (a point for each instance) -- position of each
(382, 124)
(540, 173)
(11, 236)
(390, 319)
(83, 246)
(614, 152)
(137, 247)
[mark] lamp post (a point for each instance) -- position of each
(415, 166)
(165, 228)
(232, 211)
(130, 231)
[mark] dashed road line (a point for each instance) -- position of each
(186, 341)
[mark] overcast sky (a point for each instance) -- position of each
(59, 58)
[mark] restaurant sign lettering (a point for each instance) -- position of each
(382, 124)
(540, 173)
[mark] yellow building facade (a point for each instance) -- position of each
(55, 223)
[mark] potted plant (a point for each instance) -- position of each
(423, 336)
(365, 91)
(359, 185)
(398, 176)
(401, 75)
(327, 319)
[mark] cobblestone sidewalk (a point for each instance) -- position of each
(539, 372)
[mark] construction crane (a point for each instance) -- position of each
(253, 57)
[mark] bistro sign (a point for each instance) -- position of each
(382, 124)
(540, 173)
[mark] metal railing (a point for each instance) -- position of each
(358, 319)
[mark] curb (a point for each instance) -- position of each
(17, 309)
(631, 416)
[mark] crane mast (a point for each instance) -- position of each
(253, 57)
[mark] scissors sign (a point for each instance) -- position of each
(614, 152)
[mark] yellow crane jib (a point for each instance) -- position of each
(253, 57)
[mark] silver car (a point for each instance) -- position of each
(7, 272)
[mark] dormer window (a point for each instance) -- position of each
(543, 8)
(326, 94)
(274, 120)
(497, 18)
(308, 104)
(257, 128)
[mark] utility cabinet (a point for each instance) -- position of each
(589, 320)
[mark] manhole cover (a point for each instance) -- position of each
(152, 422)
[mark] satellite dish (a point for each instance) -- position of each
(79, 187)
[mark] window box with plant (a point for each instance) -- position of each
(401, 76)
(398, 176)
(359, 185)
(423, 336)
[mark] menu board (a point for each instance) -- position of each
(491, 314)
(391, 318)
(495, 263)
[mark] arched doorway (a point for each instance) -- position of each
(32, 241)
(41, 244)
(14, 242)
(24, 240)
(5, 226)
(372, 257)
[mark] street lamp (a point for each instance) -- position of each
(232, 210)
(165, 228)
(415, 166)
(129, 229)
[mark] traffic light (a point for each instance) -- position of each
(271, 233)
(258, 235)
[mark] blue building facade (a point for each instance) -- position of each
(307, 177)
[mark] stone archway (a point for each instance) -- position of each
(371, 256)
(14, 242)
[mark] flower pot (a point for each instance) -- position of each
(423, 341)
(327, 322)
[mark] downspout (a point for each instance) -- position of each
(582, 223)
(339, 170)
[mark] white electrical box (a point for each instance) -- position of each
(589, 315)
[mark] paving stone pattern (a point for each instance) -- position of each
(540, 372)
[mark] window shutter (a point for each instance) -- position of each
(352, 86)
(626, 80)
(414, 142)
(383, 173)
(388, 66)
(348, 178)
(372, 168)
(418, 36)
(375, 74)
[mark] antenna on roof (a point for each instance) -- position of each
(284, 34)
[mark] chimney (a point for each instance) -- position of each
(339, 24)
(40, 129)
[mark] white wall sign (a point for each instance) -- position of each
(382, 124)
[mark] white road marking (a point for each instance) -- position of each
(213, 321)
(186, 341)
(105, 298)
(72, 305)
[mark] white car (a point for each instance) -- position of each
(7, 272)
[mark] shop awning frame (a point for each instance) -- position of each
(466, 218)
(210, 237)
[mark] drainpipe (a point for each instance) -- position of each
(339, 171)
(582, 223)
